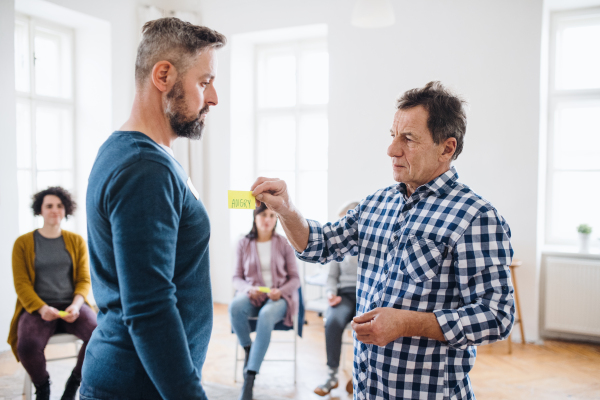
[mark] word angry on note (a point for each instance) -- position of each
(241, 200)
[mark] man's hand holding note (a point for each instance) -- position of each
(273, 192)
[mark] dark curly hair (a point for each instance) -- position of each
(62, 194)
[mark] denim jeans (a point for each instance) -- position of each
(268, 315)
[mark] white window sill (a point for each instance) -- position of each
(570, 251)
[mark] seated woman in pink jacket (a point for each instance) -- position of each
(265, 259)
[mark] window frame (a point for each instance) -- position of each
(558, 98)
(297, 111)
(35, 100)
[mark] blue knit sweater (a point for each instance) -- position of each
(148, 238)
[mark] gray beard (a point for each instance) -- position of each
(182, 125)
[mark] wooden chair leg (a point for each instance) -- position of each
(518, 305)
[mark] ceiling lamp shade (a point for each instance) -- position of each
(373, 14)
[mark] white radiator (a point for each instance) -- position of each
(573, 295)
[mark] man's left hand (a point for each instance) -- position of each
(384, 325)
(379, 326)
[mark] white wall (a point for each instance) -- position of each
(488, 51)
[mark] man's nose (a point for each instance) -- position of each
(210, 96)
(394, 150)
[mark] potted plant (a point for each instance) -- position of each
(584, 237)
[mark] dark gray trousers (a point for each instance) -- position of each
(336, 320)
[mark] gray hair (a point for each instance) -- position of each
(173, 40)
(447, 116)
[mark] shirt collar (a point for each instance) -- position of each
(167, 149)
(436, 187)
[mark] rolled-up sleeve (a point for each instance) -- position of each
(482, 257)
(332, 241)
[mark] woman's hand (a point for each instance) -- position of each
(333, 300)
(254, 293)
(73, 311)
(48, 313)
(274, 294)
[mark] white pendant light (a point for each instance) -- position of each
(373, 14)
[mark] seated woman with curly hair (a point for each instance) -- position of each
(52, 280)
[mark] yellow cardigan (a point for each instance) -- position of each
(23, 264)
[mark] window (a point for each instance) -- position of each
(573, 179)
(45, 120)
(292, 93)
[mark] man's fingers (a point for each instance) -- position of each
(366, 317)
(260, 180)
(274, 186)
(266, 185)
(362, 329)
(270, 200)
(364, 339)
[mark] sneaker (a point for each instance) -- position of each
(323, 390)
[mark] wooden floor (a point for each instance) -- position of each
(554, 370)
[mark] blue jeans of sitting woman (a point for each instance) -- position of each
(268, 315)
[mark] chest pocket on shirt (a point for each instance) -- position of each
(422, 258)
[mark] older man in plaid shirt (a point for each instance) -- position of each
(433, 278)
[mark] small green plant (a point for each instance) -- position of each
(585, 229)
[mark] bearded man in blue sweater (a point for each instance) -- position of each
(148, 231)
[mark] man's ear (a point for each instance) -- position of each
(163, 76)
(448, 149)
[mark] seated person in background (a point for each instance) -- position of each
(264, 258)
(341, 295)
(51, 273)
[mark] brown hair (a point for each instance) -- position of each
(173, 40)
(253, 234)
(447, 116)
(62, 194)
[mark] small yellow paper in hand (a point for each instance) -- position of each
(63, 314)
(241, 200)
(264, 289)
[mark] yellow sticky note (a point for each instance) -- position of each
(63, 314)
(264, 289)
(241, 200)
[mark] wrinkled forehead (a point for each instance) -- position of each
(411, 120)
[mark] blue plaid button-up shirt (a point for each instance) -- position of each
(442, 250)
